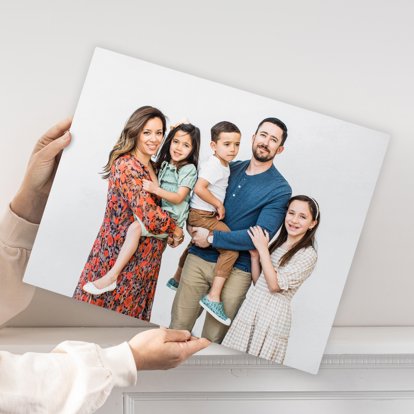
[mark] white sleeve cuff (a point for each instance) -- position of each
(120, 361)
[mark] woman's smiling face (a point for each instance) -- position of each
(151, 137)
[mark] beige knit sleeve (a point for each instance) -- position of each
(16, 240)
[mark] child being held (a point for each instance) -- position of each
(177, 173)
(207, 211)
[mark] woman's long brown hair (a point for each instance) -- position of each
(127, 142)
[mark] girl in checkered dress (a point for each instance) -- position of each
(262, 325)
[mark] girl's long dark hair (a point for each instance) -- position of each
(308, 238)
(164, 153)
(128, 139)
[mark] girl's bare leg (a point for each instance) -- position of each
(127, 251)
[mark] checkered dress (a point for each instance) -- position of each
(262, 325)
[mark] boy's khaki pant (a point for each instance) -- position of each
(208, 220)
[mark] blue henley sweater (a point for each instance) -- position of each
(251, 200)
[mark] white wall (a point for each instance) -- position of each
(352, 60)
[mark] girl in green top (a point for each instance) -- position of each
(176, 164)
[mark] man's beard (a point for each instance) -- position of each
(262, 158)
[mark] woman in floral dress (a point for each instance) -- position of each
(129, 163)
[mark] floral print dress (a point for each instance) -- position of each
(137, 282)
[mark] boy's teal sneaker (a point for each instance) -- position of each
(172, 284)
(215, 309)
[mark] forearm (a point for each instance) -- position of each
(79, 377)
(256, 268)
(129, 183)
(29, 205)
(155, 220)
(174, 198)
(269, 220)
(206, 195)
(269, 271)
(232, 240)
(16, 240)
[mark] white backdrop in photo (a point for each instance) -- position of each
(334, 161)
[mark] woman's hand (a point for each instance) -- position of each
(177, 238)
(150, 186)
(30, 201)
(164, 348)
(260, 238)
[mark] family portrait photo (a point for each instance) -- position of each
(198, 206)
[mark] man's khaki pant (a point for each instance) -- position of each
(196, 280)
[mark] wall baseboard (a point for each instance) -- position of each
(364, 370)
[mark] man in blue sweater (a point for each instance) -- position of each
(257, 194)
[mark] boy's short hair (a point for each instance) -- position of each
(223, 126)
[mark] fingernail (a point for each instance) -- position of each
(66, 136)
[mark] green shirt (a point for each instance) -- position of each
(170, 180)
